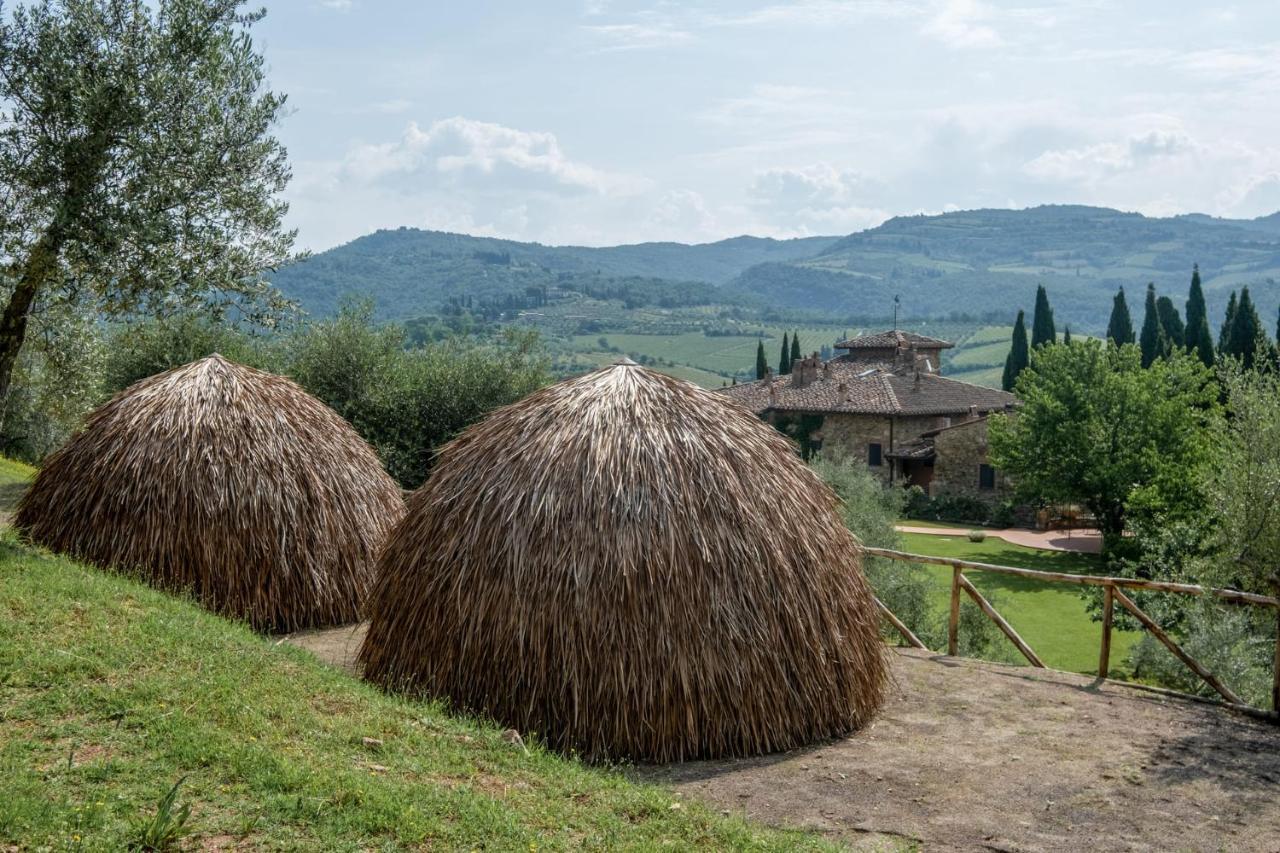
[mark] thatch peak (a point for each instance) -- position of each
(227, 481)
(630, 566)
(625, 362)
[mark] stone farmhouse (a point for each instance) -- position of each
(884, 400)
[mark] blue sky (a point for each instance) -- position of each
(599, 122)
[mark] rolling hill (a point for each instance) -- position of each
(977, 263)
(991, 260)
(409, 272)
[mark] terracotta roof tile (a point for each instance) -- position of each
(859, 389)
(894, 339)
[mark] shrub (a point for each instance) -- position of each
(146, 348)
(871, 510)
(1005, 513)
(1234, 643)
(916, 503)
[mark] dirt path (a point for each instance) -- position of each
(1080, 541)
(969, 755)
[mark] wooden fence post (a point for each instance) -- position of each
(1192, 663)
(1001, 623)
(1108, 605)
(907, 634)
(953, 623)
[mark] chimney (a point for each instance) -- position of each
(826, 372)
(773, 394)
(805, 371)
(915, 386)
(768, 375)
(973, 413)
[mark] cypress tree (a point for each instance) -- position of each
(1152, 340)
(784, 361)
(1120, 328)
(1042, 328)
(1019, 356)
(1247, 336)
(1066, 336)
(1199, 340)
(1224, 334)
(762, 364)
(1175, 334)
(796, 355)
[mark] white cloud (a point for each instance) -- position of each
(460, 151)
(1093, 163)
(963, 24)
(460, 174)
(338, 5)
(815, 199)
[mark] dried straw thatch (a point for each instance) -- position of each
(630, 567)
(228, 482)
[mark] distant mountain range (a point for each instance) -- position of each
(409, 272)
(969, 262)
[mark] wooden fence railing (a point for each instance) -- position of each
(1113, 593)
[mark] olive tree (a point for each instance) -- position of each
(138, 170)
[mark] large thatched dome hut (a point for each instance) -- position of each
(228, 482)
(631, 567)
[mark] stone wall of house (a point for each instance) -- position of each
(961, 451)
(851, 435)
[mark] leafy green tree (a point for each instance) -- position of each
(1228, 323)
(1018, 357)
(1199, 340)
(137, 162)
(1096, 428)
(1153, 341)
(762, 364)
(1120, 326)
(408, 402)
(1247, 339)
(1174, 332)
(784, 360)
(796, 355)
(1244, 482)
(1043, 330)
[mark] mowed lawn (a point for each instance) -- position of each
(1052, 618)
(111, 693)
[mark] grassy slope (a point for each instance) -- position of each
(1052, 618)
(110, 692)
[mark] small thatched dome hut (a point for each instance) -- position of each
(228, 482)
(631, 567)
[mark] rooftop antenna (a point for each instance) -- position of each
(896, 301)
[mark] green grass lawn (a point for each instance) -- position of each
(1052, 618)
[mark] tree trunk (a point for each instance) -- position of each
(1110, 524)
(13, 323)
